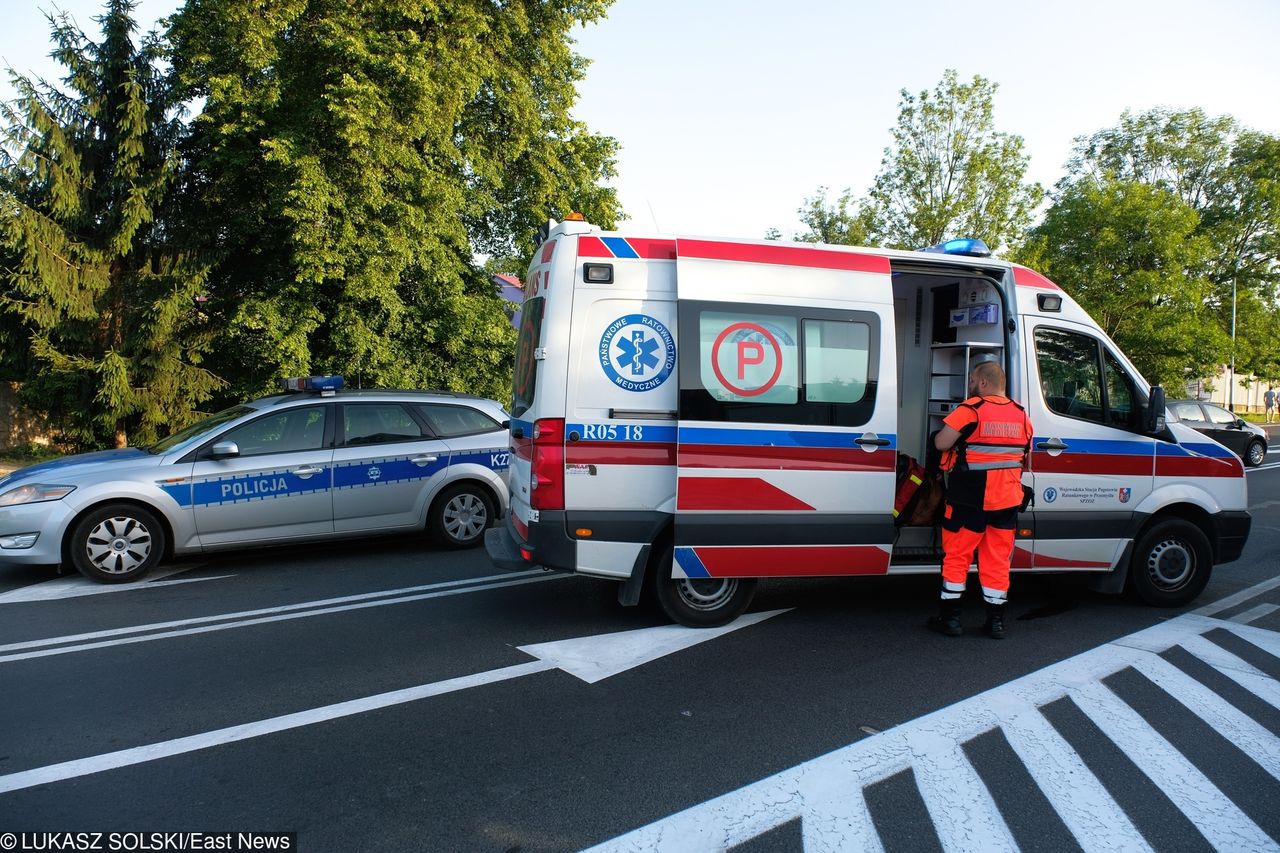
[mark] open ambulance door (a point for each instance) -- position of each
(786, 444)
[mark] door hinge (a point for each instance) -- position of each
(540, 354)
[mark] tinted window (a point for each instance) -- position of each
(290, 431)
(195, 433)
(779, 365)
(526, 374)
(1121, 411)
(447, 421)
(1188, 412)
(1220, 415)
(1070, 376)
(378, 423)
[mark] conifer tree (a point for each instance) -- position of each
(107, 302)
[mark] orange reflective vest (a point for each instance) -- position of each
(986, 467)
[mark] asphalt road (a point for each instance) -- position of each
(391, 696)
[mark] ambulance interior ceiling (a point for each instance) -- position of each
(922, 302)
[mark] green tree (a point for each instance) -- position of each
(844, 222)
(950, 173)
(103, 297)
(1131, 255)
(354, 157)
(1231, 177)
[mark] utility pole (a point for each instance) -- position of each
(1231, 389)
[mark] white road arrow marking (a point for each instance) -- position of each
(74, 587)
(620, 652)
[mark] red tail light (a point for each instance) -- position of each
(546, 489)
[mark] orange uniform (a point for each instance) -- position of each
(984, 491)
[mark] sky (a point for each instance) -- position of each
(730, 113)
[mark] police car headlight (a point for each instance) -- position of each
(33, 493)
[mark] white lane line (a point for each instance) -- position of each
(836, 817)
(1267, 467)
(265, 611)
(231, 734)
(56, 590)
(1221, 822)
(964, 814)
(1086, 807)
(1237, 598)
(282, 617)
(1254, 614)
(1221, 716)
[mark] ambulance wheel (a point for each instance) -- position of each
(1171, 564)
(1255, 454)
(698, 602)
(116, 543)
(460, 515)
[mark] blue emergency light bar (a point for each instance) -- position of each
(325, 385)
(969, 247)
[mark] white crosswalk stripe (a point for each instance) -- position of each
(829, 793)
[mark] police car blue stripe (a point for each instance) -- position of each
(689, 562)
(247, 487)
(620, 247)
(777, 438)
(364, 473)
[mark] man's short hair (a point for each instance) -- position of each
(990, 373)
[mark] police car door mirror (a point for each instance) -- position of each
(224, 450)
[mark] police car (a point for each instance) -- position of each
(311, 463)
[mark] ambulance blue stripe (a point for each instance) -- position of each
(620, 247)
(777, 438)
(689, 562)
(1198, 448)
(1101, 446)
(593, 432)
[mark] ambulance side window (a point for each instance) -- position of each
(1079, 378)
(526, 373)
(777, 364)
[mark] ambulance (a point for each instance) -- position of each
(692, 415)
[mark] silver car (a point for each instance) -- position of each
(310, 464)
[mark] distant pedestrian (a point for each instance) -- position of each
(1269, 402)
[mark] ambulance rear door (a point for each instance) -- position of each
(786, 443)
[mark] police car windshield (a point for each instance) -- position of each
(197, 431)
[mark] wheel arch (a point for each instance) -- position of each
(167, 554)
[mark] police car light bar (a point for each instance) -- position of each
(970, 247)
(325, 385)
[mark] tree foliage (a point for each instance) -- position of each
(1130, 254)
(844, 222)
(1229, 178)
(93, 282)
(352, 159)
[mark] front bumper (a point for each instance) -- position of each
(49, 519)
(1232, 529)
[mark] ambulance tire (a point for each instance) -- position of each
(116, 543)
(1171, 564)
(698, 603)
(460, 515)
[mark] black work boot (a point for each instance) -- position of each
(995, 621)
(947, 621)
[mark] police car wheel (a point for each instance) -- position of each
(1256, 454)
(1171, 564)
(699, 602)
(460, 516)
(117, 543)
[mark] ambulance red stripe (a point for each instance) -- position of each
(1199, 466)
(793, 561)
(1024, 277)
(734, 493)
(647, 248)
(1134, 465)
(790, 256)
(784, 458)
(621, 453)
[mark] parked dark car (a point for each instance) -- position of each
(1248, 441)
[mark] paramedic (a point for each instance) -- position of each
(984, 441)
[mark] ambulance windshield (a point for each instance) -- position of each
(526, 376)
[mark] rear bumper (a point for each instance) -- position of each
(548, 547)
(1232, 529)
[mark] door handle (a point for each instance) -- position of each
(307, 471)
(1051, 445)
(876, 442)
(423, 460)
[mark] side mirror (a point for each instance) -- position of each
(1154, 420)
(224, 450)
(1240, 423)
(506, 424)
